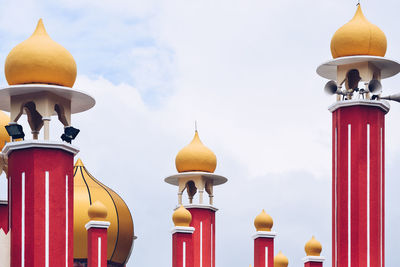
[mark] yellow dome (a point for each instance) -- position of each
(313, 247)
(97, 211)
(280, 260)
(182, 217)
(39, 59)
(196, 157)
(263, 222)
(87, 191)
(358, 37)
(4, 137)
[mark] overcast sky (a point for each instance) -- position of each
(245, 70)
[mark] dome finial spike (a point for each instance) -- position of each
(40, 29)
(195, 125)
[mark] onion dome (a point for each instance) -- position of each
(4, 137)
(97, 211)
(182, 217)
(358, 37)
(313, 247)
(87, 192)
(196, 157)
(263, 222)
(280, 260)
(39, 59)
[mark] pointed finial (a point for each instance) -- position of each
(79, 163)
(195, 125)
(358, 2)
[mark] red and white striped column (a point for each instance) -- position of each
(40, 181)
(313, 250)
(203, 220)
(97, 235)
(263, 241)
(358, 183)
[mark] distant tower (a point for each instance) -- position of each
(41, 73)
(263, 241)
(196, 165)
(358, 138)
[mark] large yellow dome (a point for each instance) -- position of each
(358, 37)
(196, 157)
(39, 59)
(87, 191)
(4, 137)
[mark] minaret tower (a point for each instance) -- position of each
(358, 139)
(40, 74)
(196, 165)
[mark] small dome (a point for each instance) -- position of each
(263, 222)
(313, 247)
(97, 211)
(39, 59)
(358, 37)
(4, 137)
(87, 191)
(196, 157)
(280, 260)
(182, 217)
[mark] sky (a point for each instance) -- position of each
(245, 71)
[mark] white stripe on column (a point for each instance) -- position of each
(336, 215)
(212, 245)
(349, 195)
(368, 194)
(22, 220)
(184, 254)
(99, 252)
(66, 221)
(266, 256)
(47, 217)
(201, 244)
(382, 199)
(9, 202)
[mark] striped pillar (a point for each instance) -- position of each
(97, 243)
(264, 249)
(358, 183)
(182, 246)
(203, 220)
(41, 203)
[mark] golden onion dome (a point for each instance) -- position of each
(39, 59)
(358, 37)
(4, 137)
(280, 260)
(182, 217)
(97, 211)
(313, 247)
(196, 157)
(120, 234)
(263, 222)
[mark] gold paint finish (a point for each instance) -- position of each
(88, 190)
(97, 211)
(196, 157)
(263, 222)
(358, 37)
(39, 59)
(313, 247)
(4, 137)
(182, 217)
(280, 260)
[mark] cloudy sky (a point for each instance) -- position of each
(245, 70)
